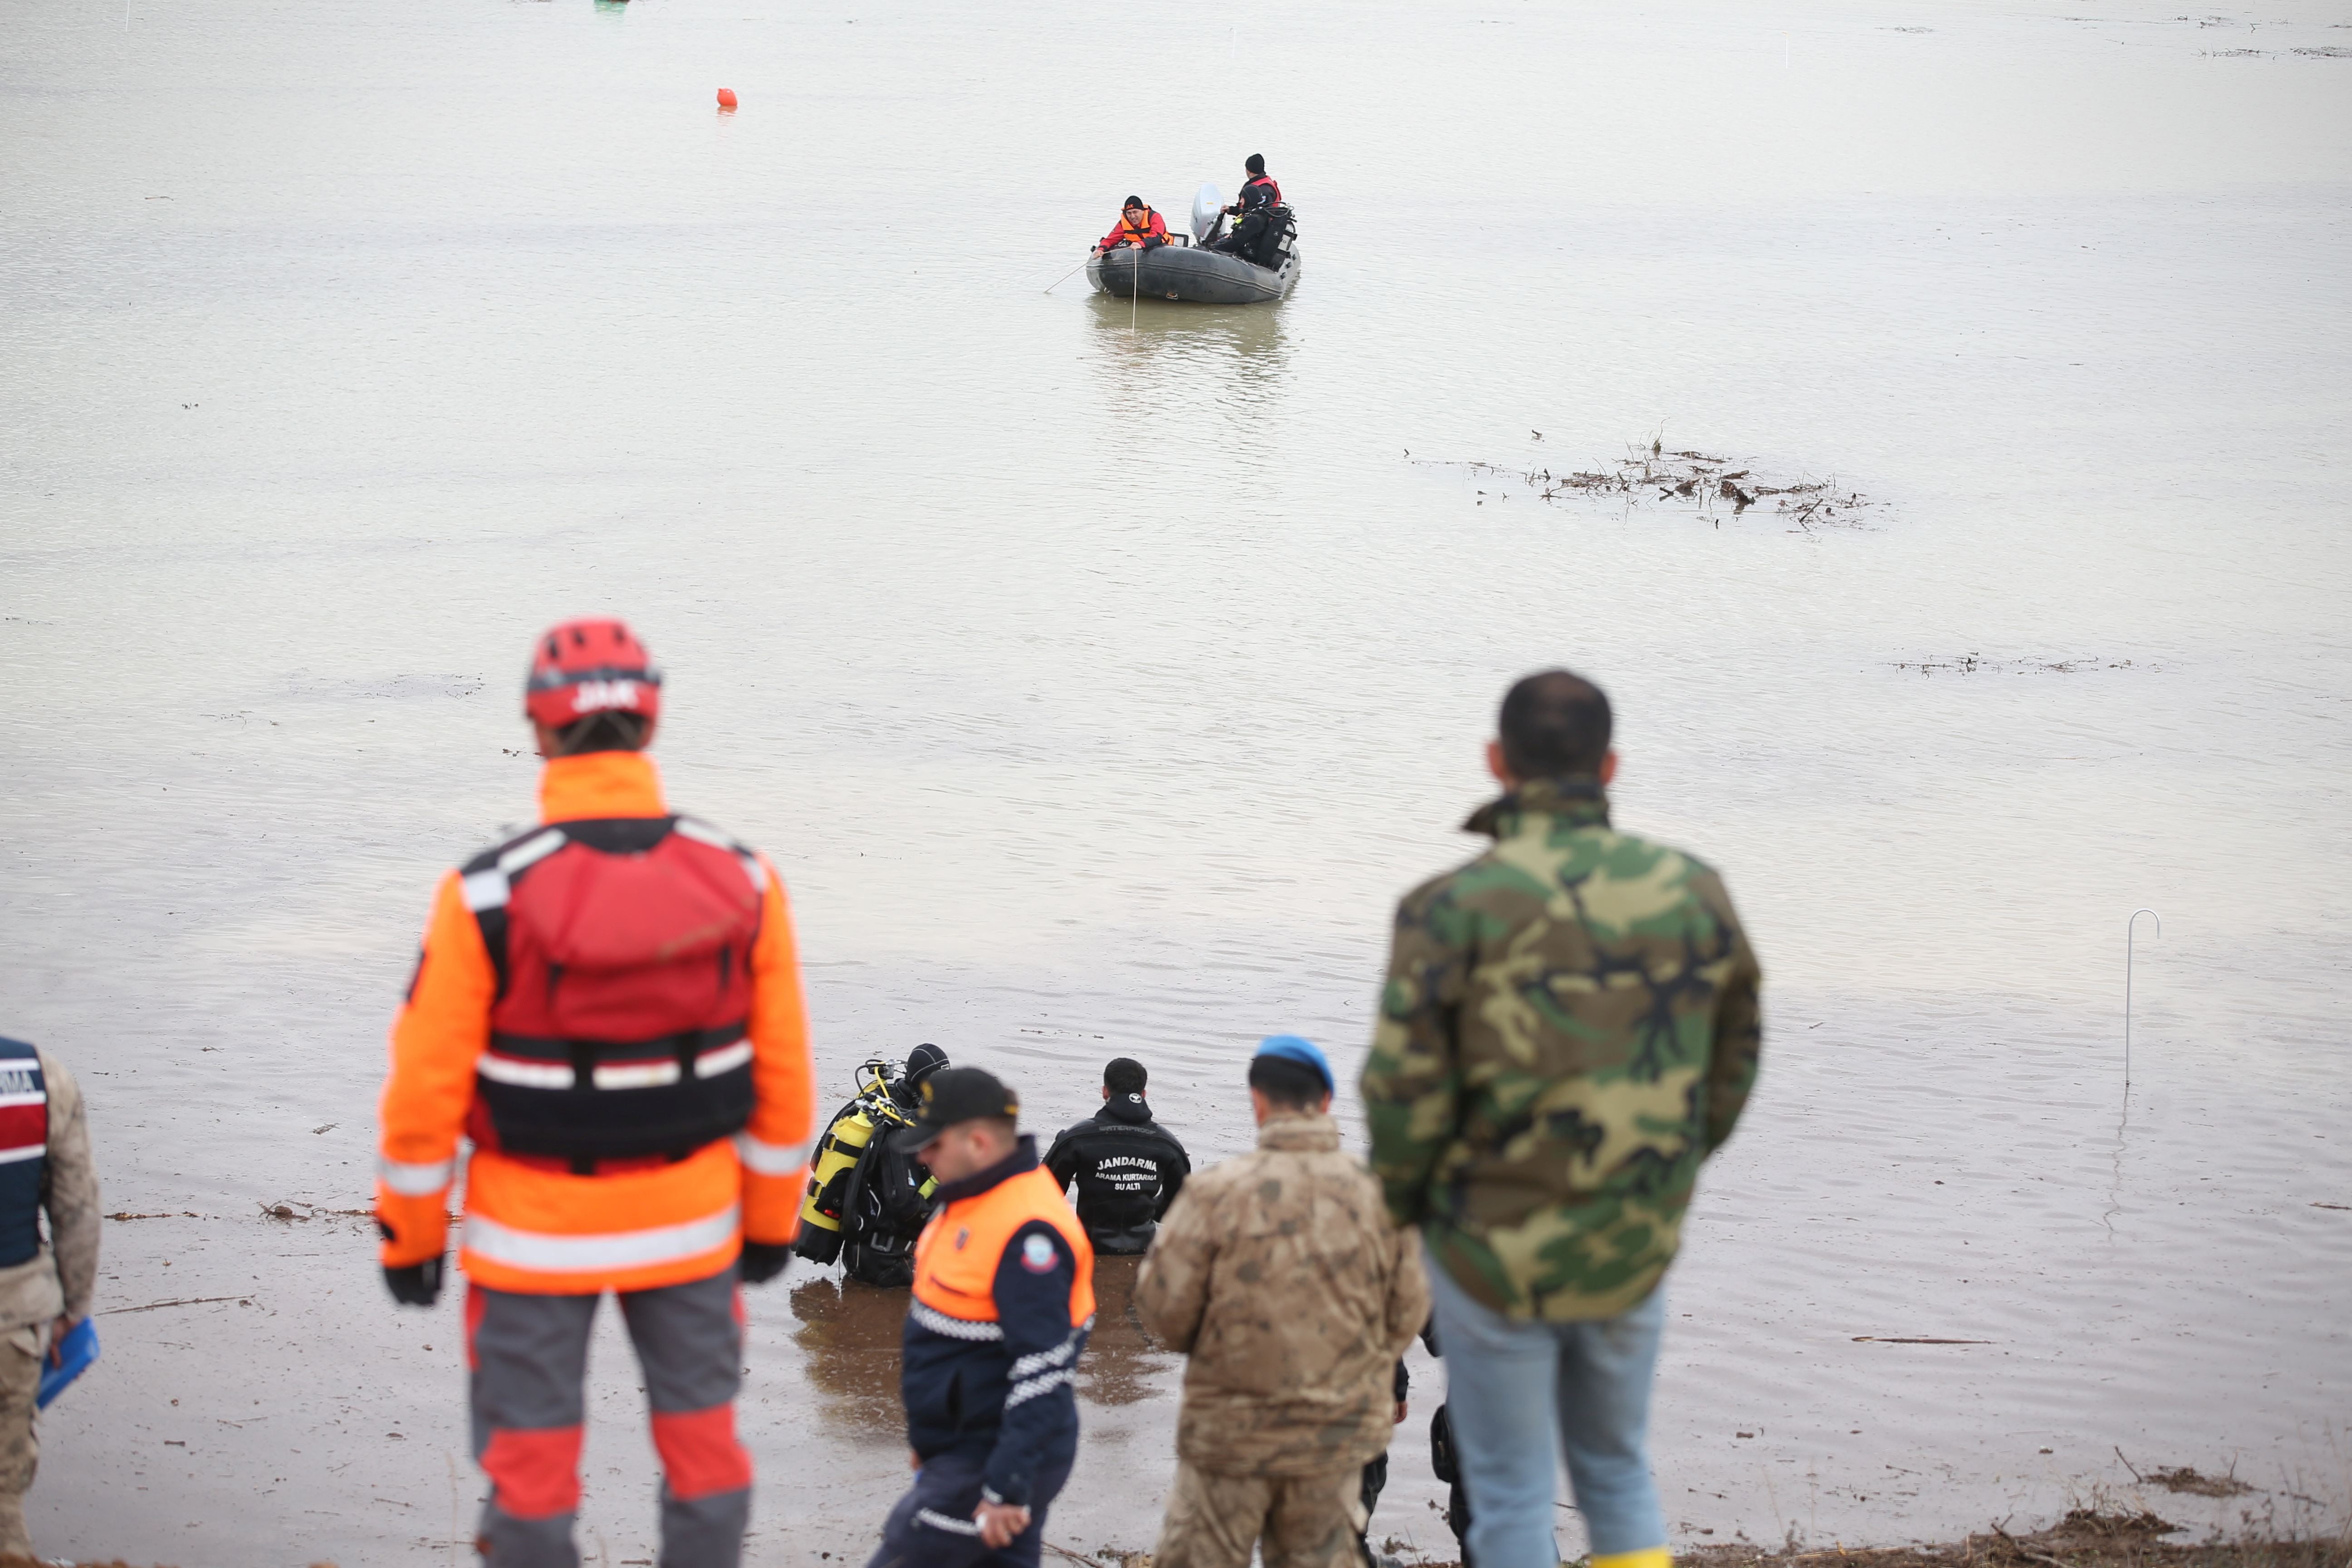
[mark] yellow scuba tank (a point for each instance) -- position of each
(823, 1211)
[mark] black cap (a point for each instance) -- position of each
(951, 1095)
(922, 1062)
(1133, 202)
(1256, 164)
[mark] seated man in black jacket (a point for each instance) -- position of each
(1128, 1168)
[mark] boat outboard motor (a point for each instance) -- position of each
(1208, 206)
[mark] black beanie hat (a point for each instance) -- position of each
(1134, 202)
(923, 1061)
(1256, 164)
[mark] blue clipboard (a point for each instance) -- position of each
(74, 1354)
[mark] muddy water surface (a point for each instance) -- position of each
(1098, 675)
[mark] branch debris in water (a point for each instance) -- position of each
(1649, 475)
(1975, 663)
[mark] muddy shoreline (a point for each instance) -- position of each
(2084, 1538)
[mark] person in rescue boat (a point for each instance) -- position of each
(1128, 1168)
(609, 1007)
(1258, 229)
(1258, 189)
(1004, 1301)
(1138, 226)
(46, 1283)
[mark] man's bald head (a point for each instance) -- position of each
(1554, 724)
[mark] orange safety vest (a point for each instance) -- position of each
(541, 1224)
(956, 1260)
(1154, 227)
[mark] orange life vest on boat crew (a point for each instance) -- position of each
(1125, 233)
(956, 1260)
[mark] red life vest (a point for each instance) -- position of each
(622, 948)
(1268, 182)
(23, 1151)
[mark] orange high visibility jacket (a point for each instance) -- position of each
(1125, 233)
(958, 1276)
(546, 1226)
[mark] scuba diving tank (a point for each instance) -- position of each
(826, 1211)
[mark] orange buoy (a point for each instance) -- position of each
(725, 98)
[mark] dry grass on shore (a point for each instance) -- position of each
(2086, 1538)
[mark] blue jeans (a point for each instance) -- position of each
(1511, 1386)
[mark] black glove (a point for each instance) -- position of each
(763, 1260)
(418, 1285)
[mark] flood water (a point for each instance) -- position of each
(1098, 675)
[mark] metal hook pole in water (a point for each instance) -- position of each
(2131, 928)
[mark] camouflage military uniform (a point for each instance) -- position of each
(1569, 1027)
(1279, 1274)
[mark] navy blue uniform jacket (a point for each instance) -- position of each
(1002, 1390)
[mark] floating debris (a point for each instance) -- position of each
(2183, 1478)
(1976, 663)
(1911, 1340)
(1650, 475)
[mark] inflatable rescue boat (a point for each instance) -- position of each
(1181, 270)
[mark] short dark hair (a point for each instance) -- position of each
(1287, 1083)
(1554, 723)
(1124, 1075)
(607, 731)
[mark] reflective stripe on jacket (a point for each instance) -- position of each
(559, 1224)
(1004, 1299)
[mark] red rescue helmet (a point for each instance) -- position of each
(590, 666)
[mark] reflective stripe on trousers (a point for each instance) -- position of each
(528, 1357)
(931, 1527)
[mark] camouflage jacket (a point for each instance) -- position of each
(1280, 1274)
(1569, 1027)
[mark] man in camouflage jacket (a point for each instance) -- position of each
(1569, 1027)
(1280, 1276)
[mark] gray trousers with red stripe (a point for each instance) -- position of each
(530, 1356)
